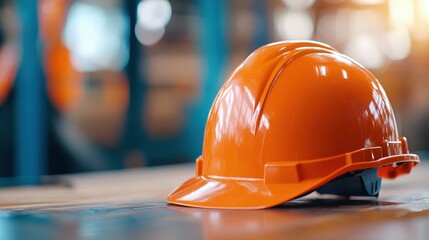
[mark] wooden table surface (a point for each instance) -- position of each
(130, 205)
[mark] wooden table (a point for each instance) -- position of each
(130, 205)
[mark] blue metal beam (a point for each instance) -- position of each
(132, 136)
(30, 105)
(133, 133)
(213, 43)
(261, 35)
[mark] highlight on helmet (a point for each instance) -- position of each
(293, 118)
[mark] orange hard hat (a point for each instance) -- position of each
(293, 118)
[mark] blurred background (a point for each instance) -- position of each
(89, 85)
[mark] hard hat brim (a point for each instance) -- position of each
(238, 194)
(246, 193)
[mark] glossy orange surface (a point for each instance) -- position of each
(292, 117)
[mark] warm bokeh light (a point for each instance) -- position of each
(368, 1)
(401, 12)
(152, 17)
(364, 48)
(298, 4)
(424, 9)
(397, 44)
(294, 25)
(153, 14)
(148, 37)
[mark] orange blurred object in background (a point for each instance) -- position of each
(100, 112)
(93, 103)
(52, 15)
(9, 60)
(64, 83)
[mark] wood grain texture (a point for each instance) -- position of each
(130, 205)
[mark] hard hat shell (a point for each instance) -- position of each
(292, 117)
